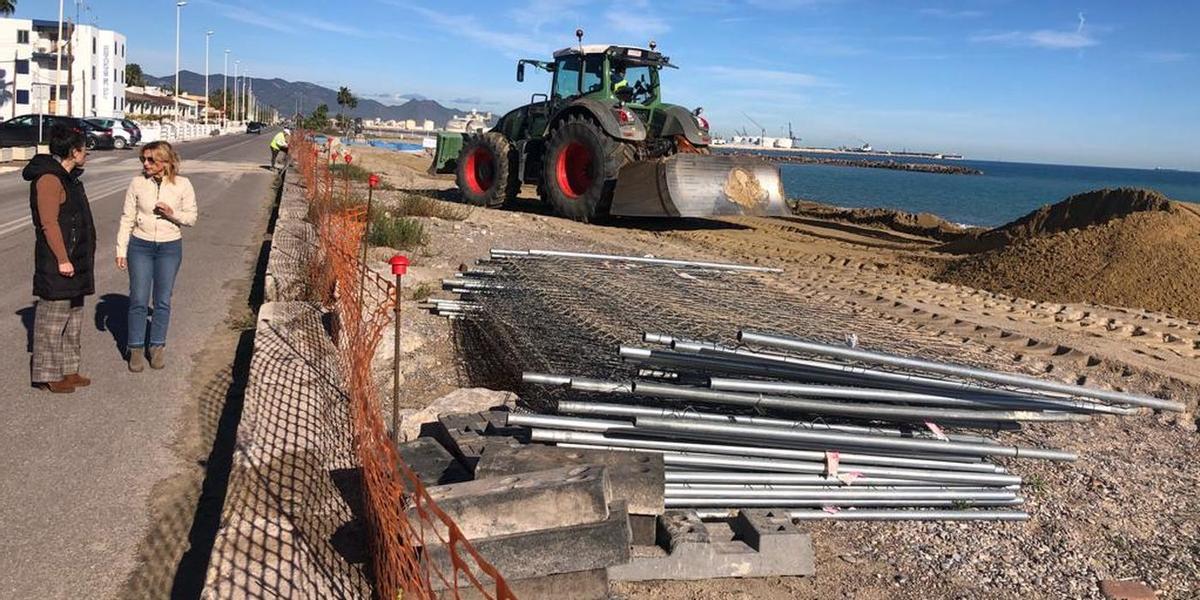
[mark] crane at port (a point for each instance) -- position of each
(762, 130)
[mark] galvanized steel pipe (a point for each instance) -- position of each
(868, 411)
(882, 395)
(785, 503)
(1010, 379)
(710, 461)
(848, 459)
(905, 515)
(745, 432)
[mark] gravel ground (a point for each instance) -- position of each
(1126, 510)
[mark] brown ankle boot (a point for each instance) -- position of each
(61, 386)
(157, 358)
(77, 380)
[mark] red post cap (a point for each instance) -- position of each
(399, 264)
(373, 180)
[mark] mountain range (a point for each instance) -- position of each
(287, 95)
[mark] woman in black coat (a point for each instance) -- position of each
(64, 255)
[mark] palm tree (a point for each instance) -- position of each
(345, 99)
(7, 7)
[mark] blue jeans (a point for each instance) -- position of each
(152, 266)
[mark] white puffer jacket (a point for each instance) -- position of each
(138, 218)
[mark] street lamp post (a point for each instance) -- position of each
(178, 12)
(207, 95)
(236, 63)
(225, 92)
(58, 65)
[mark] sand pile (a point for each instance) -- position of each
(1077, 212)
(922, 224)
(1122, 247)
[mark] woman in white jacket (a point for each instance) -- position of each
(158, 204)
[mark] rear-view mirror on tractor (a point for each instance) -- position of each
(520, 71)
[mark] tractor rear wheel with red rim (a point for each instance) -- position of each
(486, 170)
(580, 169)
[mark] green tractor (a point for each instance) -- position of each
(603, 142)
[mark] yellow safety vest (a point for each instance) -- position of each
(279, 142)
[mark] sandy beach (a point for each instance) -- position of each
(1115, 514)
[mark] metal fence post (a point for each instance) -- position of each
(399, 267)
(372, 182)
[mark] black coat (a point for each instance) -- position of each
(78, 230)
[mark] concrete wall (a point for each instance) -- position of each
(289, 527)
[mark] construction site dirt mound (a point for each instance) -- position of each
(1145, 254)
(920, 224)
(1077, 212)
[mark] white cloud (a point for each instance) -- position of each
(289, 22)
(635, 22)
(1042, 38)
(766, 76)
(945, 13)
(469, 27)
(1053, 39)
(245, 15)
(1165, 56)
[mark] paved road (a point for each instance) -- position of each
(76, 470)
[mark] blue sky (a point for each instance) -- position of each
(1102, 83)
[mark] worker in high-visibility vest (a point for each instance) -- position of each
(618, 80)
(279, 143)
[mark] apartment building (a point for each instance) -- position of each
(92, 80)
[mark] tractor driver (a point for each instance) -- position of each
(620, 86)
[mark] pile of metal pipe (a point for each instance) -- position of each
(701, 405)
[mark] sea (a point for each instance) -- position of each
(1005, 191)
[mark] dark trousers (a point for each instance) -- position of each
(152, 270)
(275, 152)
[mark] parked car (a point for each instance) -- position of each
(98, 137)
(23, 130)
(254, 127)
(123, 134)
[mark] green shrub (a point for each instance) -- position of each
(395, 231)
(357, 173)
(414, 205)
(422, 292)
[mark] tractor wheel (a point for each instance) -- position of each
(580, 169)
(486, 172)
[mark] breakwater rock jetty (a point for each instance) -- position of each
(870, 164)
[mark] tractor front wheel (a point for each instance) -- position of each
(580, 169)
(486, 172)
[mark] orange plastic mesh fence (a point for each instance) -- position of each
(417, 551)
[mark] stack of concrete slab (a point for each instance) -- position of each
(563, 522)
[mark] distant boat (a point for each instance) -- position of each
(473, 122)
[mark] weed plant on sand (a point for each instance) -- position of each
(395, 231)
(414, 205)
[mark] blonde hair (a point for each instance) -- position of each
(166, 156)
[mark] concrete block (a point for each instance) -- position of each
(577, 585)
(467, 435)
(6, 154)
(528, 502)
(463, 400)
(643, 529)
(755, 543)
(23, 152)
(432, 464)
(570, 549)
(636, 477)
(292, 249)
